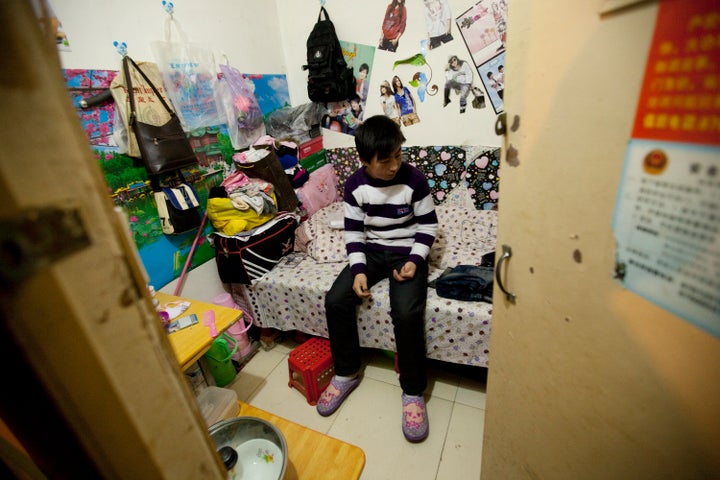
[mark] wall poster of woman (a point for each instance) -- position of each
(387, 101)
(393, 25)
(438, 21)
(406, 103)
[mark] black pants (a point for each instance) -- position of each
(387, 45)
(407, 311)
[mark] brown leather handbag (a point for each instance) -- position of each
(163, 148)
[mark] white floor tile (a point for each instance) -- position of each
(371, 419)
(461, 456)
(471, 393)
(380, 367)
(254, 373)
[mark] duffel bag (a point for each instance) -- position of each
(244, 258)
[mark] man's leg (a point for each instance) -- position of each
(407, 302)
(341, 311)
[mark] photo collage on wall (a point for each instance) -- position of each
(471, 78)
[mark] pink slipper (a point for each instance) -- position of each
(415, 425)
(335, 393)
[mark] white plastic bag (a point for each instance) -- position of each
(190, 79)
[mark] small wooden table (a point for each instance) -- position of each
(191, 343)
(311, 454)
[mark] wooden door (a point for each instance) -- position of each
(91, 387)
(586, 379)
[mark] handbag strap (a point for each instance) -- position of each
(127, 61)
(322, 10)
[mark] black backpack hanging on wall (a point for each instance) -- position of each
(329, 77)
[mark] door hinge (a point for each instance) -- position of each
(37, 237)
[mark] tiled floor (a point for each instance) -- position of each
(370, 417)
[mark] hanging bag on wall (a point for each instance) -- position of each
(178, 209)
(163, 147)
(188, 72)
(151, 111)
(245, 119)
(329, 77)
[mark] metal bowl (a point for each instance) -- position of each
(260, 446)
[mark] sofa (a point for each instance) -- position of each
(291, 295)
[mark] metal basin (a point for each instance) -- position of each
(260, 446)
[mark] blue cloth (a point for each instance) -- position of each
(287, 160)
(466, 282)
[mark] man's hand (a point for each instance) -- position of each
(360, 286)
(407, 272)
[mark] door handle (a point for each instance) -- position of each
(506, 253)
(501, 124)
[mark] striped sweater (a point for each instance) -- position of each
(396, 215)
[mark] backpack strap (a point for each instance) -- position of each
(322, 10)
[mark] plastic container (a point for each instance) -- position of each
(218, 404)
(219, 359)
(237, 330)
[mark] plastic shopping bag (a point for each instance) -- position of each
(188, 72)
(245, 119)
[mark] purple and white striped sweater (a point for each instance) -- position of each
(396, 215)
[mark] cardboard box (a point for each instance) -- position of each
(308, 148)
(314, 161)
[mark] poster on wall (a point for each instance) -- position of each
(163, 256)
(271, 92)
(347, 115)
(667, 213)
(438, 18)
(484, 30)
(492, 75)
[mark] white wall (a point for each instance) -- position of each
(244, 30)
(269, 37)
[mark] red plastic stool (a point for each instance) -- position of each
(311, 368)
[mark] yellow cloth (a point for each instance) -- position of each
(227, 219)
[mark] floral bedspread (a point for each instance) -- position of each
(291, 298)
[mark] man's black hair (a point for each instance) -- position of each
(378, 135)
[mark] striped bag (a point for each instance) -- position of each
(244, 258)
(178, 209)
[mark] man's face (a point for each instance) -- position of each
(384, 168)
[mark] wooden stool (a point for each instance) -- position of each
(311, 368)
